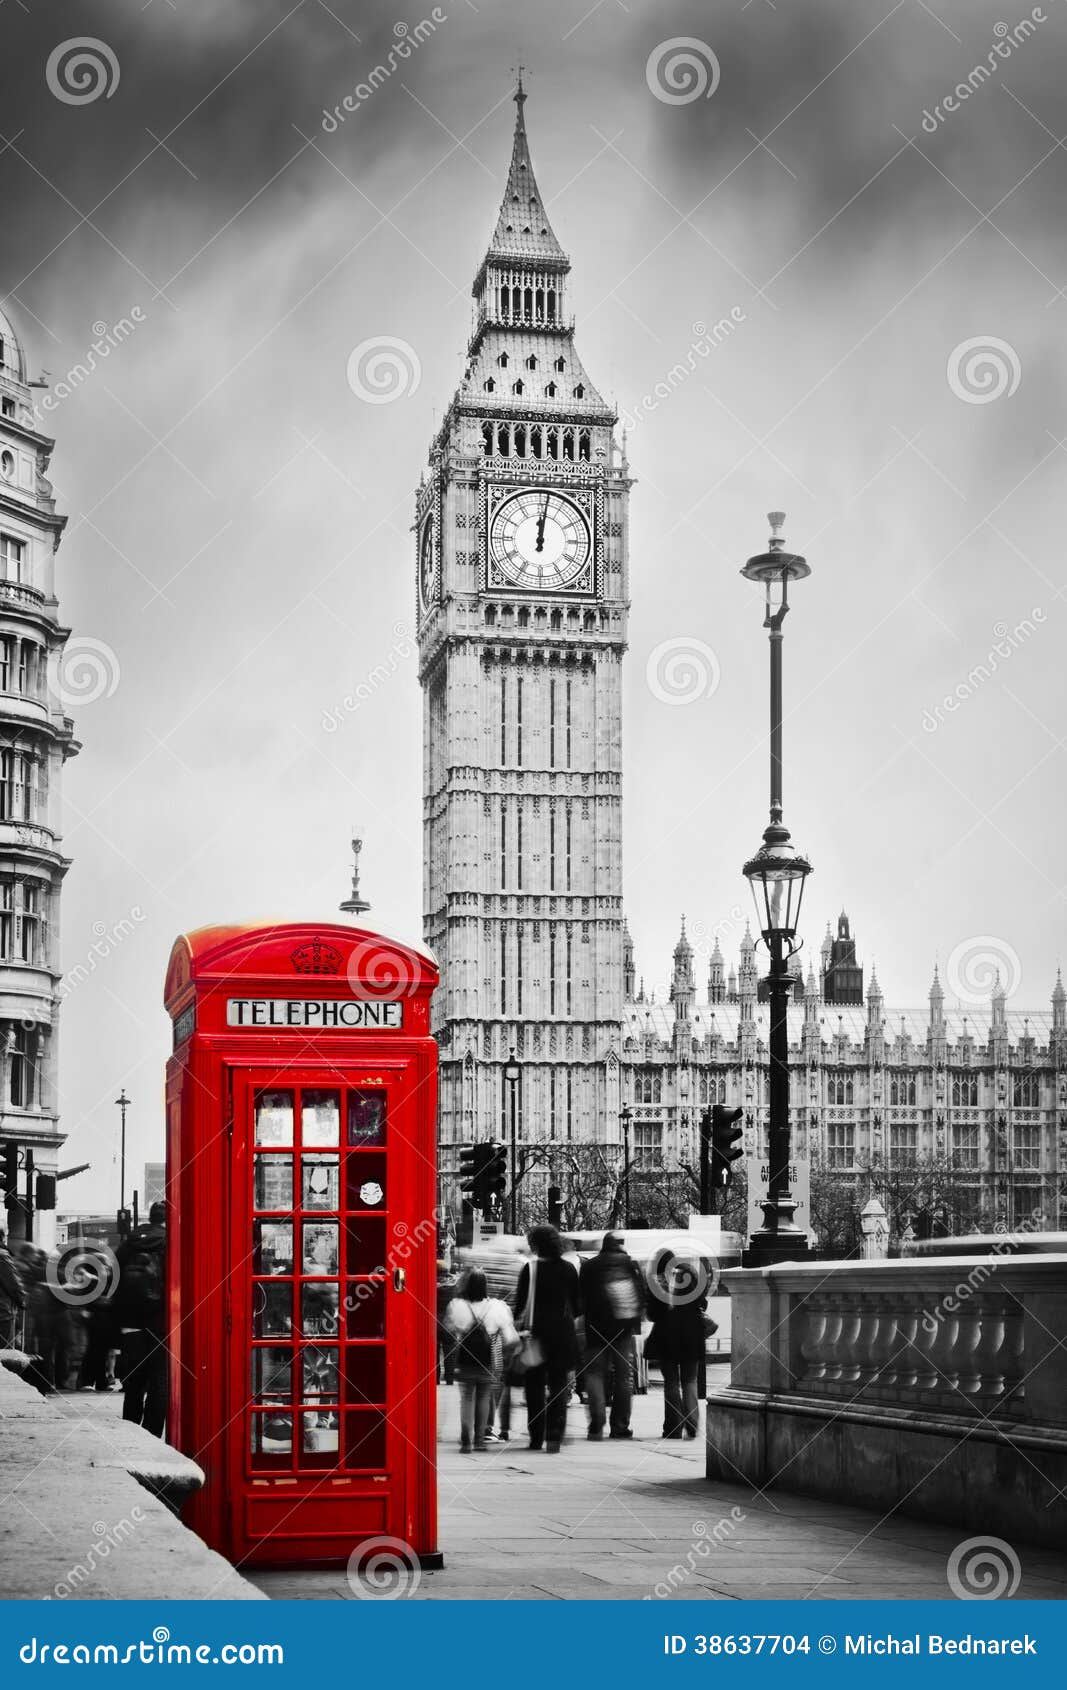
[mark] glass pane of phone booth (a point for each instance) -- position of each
(319, 1208)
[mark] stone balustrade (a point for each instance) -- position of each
(938, 1386)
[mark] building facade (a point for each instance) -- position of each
(980, 1091)
(521, 543)
(36, 738)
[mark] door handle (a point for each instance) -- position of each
(400, 1279)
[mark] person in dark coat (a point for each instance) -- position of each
(12, 1297)
(48, 1337)
(612, 1303)
(676, 1343)
(548, 1316)
(138, 1311)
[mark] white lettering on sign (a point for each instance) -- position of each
(356, 1014)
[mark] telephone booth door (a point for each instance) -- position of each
(319, 1228)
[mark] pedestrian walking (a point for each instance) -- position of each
(138, 1312)
(48, 1323)
(95, 1373)
(676, 1341)
(12, 1298)
(483, 1329)
(547, 1303)
(612, 1304)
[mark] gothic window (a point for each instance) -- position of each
(841, 1144)
(579, 392)
(518, 953)
(965, 1091)
(1027, 1147)
(516, 302)
(520, 433)
(568, 444)
(517, 387)
(539, 305)
(503, 969)
(502, 443)
(490, 385)
(840, 1088)
(518, 720)
(648, 1086)
(648, 1145)
(552, 851)
(567, 849)
(553, 442)
(902, 1090)
(503, 361)
(550, 392)
(531, 362)
(552, 977)
(527, 297)
(570, 700)
(570, 964)
(903, 1144)
(965, 1147)
(1026, 1092)
(550, 305)
(487, 439)
(583, 445)
(536, 441)
(560, 365)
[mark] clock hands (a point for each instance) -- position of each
(541, 525)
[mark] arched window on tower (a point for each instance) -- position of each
(517, 387)
(568, 444)
(520, 440)
(579, 392)
(536, 441)
(561, 365)
(550, 305)
(516, 302)
(503, 361)
(502, 444)
(583, 445)
(490, 386)
(527, 298)
(487, 439)
(553, 442)
(550, 390)
(531, 362)
(539, 304)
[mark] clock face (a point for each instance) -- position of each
(539, 539)
(427, 571)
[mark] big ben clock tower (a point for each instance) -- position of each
(521, 538)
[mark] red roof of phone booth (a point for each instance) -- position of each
(265, 950)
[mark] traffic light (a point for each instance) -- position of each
(46, 1191)
(724, 1147)
(9, 1173)
(496, 1176)
(475, 1161)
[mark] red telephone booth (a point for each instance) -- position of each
(301, 1126)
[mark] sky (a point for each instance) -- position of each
(887, 257)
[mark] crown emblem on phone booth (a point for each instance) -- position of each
(316, 957)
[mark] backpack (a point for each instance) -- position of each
(474, 1352)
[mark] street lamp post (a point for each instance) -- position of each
(625, 1118)
(123, 1103)
(511, 1075)
(777, 874)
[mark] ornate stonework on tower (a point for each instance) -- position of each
(36, 738)
(521, 539)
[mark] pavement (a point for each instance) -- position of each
(619, 1520)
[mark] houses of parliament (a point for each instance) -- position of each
(522, 567)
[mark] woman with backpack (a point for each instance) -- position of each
(474, 1319)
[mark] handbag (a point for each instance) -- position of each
(531, 1351)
